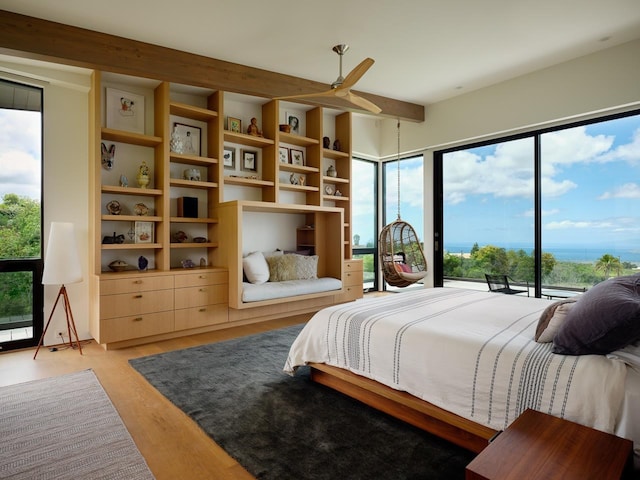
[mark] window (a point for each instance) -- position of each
(364, 214)
(572, 193)
(21, 296)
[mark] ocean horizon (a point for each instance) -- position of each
(564, 254)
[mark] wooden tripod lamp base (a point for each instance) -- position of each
(71, 326)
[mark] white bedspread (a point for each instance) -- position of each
(469, 352)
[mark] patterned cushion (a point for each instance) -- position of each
(292, 267)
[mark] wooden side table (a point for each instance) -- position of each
(540, 446)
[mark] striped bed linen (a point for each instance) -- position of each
(469, 352)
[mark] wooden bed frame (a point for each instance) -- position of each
(405, 407)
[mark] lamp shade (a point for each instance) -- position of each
(61, 262)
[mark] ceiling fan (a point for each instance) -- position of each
(341, 88)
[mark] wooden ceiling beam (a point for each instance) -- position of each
(30, 37)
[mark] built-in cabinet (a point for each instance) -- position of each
(168, 162)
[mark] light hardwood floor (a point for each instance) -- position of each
(172, 444)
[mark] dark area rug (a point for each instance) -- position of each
(283, 427)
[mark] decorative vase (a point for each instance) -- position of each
(143, 175)
(176, 144)
(331, 171)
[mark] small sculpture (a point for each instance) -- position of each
(191, 174)
(108, 156)
(142, 263)
(326, 142)
(199, 240)
(143, 175)
(118, 265)
(187, 263)
(113, 207)
(141, 210)
(203, 262)
(331, 171)
(293, 179)
(253, 129)
(124, 182)
(337, 146)
(180, 237)
(113, 239)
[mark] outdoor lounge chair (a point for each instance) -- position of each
(500, 284)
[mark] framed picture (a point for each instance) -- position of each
(297, 157)
(125, 111)
(249, 160)
(283, 154)
(294, 123)
(190, 137)
(229, 158)
(234, 124)
(143, 232)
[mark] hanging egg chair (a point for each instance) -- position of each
(401, 256)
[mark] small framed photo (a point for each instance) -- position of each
(234, 124)
(294, 123)
(283, 154)
(125, 111)
(190, 137)
(297, 157)
(229, 158)
(143, 232)
(249, 161)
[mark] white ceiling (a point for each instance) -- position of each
(425, 50)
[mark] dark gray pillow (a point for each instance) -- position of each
(604, 319)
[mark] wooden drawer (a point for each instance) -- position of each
(199, 296)
(350, 294)
(353, 265)
(352, 279)
(135, 284)
(112, 306)
(201, 278)
(201, 316)
(136, 326)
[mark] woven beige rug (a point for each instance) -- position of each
(65, 427)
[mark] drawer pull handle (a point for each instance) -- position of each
(203, 276)
(137, 282)
(203, 310)
(138, 296)
(203, 289)
(137, 319)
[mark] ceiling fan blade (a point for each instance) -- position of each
(357, 73)
(327, 93)
(363, 103)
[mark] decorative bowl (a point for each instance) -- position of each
(118, 265)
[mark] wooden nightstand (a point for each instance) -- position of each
(540, 446)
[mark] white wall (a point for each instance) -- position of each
(65, 176)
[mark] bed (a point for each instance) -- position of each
(463, 364)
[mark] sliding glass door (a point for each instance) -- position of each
(364, 216)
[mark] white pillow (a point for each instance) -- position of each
(255, 267)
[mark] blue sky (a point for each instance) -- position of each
(20, 147)
(591, 189)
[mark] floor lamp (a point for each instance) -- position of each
(62, 267)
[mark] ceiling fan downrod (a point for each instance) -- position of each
(340, 49)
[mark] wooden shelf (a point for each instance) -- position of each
(245, 139)
(288, 167)
(146, 192)
(193, 220)
(192, 159)
(130, 246)
(326, 179)
(180, 182)
(298, 188)
(131, 218)
(336, 198)
(130, 137)
(298, 140)
(194, 245)
(334, 154)
(247, 182)
(190, 111)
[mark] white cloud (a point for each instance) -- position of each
(20, 153)
(571, 224)
(628, 190)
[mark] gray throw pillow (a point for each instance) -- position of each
(604, 319)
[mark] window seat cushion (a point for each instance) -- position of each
(289, 288)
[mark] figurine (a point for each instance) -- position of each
(123, 181)
(143, 175)
(141, 209)
(191, 174)
(180, 237)
(176, 144)
(187, 263)
(142, 263)
(253, 129)
(108, 156)
(336, 145)
(203, 262)
(113, 207)
(326, 142)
